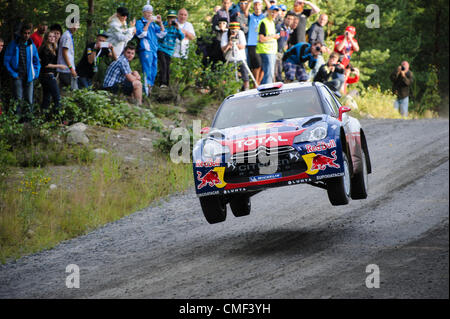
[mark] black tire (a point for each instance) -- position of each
(338, 188)
(241, 205)
(214, 209)
(360, 181)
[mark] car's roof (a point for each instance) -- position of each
(295, 85)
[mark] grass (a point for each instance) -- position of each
(33, 217)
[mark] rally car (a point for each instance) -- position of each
(279, 135)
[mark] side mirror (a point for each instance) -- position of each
(205, 130)
(343, 109)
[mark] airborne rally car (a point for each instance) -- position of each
(279, 135)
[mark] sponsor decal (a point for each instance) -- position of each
(265, 177)
(316, 162)
(199, 163)
(320, 146)
(260, 140)
(329, 176)
(299, 181)
(236, 190)
(208, 194)
(213, 177)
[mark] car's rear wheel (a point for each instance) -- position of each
(338, 188)
(241, 205)
(360, 181)
(214, 208)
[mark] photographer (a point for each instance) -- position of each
(88, 65)
(332, 69)
(166, 47)
(233, 47)
(346, 44)
(401, 79)
(296, 56)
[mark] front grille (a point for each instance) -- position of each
(261, 151)
(289, 162)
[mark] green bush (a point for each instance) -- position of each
(103, 109)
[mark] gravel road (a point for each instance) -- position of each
(294, 244)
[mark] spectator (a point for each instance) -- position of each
(350, 70)
(66, 56)
(167, 46)
(316, 34)
(233, 46)
(284, 30)
(239, 16)
(48, 53)
(181, 47)
(346, 44)
(254, 59)
(118, 32)
(283, 11)
(332, 69)
(57, 29)
(149, 32)
(402, 79)
(88, 65)
(302, 14)
(22, 63)
(223, 12)
(38, 36)
(119, 76)
(296, 56)
(267, 44)
(214, 49)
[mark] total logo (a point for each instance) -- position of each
(213, 177)
(261, 140)
(316, 162)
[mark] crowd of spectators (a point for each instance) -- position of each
(265, 40)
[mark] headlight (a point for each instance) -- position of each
(212, 149)
(316, 133)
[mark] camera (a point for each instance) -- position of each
(318, 48)
(346, 33)
(173, 24)
(402, 68)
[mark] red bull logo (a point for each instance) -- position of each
(316, 162)
(212, 178)
(321, 162)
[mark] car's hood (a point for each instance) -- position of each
(269, 134)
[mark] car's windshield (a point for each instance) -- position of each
(257, 109)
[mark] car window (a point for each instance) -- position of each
(266, 107)
(330, 101)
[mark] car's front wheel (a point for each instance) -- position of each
(214, 208)
(338, 188)
(241, 205)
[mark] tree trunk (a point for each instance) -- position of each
(90, 21)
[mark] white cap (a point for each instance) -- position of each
(147, 7)
(257, 1)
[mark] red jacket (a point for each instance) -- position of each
(37, 39)
(346, 51)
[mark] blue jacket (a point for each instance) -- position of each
(299, 54)
(11, 60)
(148, 39)
(167, 44)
